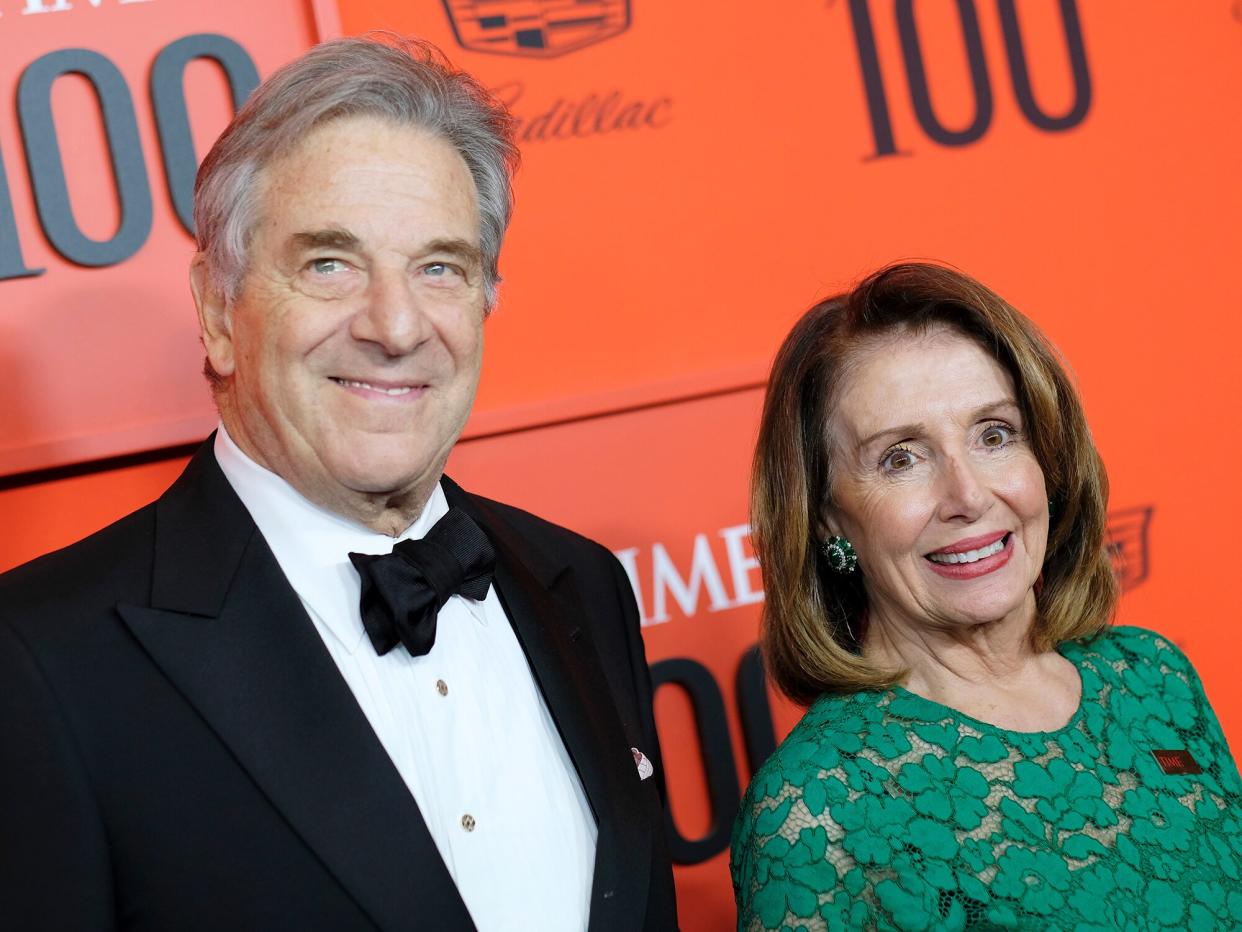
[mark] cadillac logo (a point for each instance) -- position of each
(535, 28)
(1126, 540)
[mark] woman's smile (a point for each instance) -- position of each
(975, 562)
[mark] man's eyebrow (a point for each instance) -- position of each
(462, 249)
(913, 430)
(336, 238)
(332, 238)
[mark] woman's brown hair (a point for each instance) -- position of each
(813, 617)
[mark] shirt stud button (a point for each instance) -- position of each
(467, 822)
(442, 687)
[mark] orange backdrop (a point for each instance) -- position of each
(694, 176)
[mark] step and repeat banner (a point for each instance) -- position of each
(108, 106)
(694, 176)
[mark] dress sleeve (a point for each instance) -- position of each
(1185, 703)
(1211, 737)
(781, 869)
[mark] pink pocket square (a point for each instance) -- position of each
(644, 766)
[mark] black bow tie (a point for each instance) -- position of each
(403, 591)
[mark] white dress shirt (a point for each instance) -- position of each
(465, 725)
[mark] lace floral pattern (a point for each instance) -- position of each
(885, 810)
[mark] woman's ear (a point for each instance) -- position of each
(829, 524)
(214, 317)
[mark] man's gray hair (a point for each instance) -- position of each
(404, 80)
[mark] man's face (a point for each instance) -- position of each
(352, 353)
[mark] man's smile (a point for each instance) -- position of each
(376, 387)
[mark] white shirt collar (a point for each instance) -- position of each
(311, 544)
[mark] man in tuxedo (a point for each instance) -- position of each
(317, 685)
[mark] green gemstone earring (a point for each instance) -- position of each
(840, 554)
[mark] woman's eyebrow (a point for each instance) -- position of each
(907, 430)
(913, 430)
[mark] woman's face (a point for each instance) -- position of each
(935, 483)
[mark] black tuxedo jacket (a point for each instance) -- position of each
(179, 752)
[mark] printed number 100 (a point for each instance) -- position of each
(916, 73)
(129, 169)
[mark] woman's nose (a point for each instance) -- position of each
(964, 492)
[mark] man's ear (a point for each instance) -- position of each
(214, 319)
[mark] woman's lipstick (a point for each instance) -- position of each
(972, 557)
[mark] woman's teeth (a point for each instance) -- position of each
(970, 556)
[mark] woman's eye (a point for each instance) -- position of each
(997, 436)
(897, 460)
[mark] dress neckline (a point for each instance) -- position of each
(900, 692)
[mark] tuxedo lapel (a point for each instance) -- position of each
(228, 630)
(539, 596)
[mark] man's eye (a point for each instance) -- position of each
(897, 459)
(327, 266)
(997, 435)
(441, 270)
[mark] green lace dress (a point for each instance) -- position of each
(885, 810)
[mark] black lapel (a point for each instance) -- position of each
(539, 596)
(228, 630)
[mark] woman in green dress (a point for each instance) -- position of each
(981, 749)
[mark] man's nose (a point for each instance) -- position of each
(393, 315)
(964, 492)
